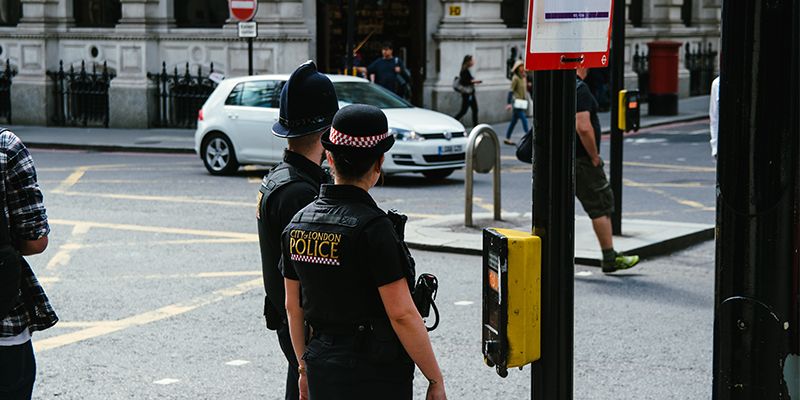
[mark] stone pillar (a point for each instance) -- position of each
(32, 96)
(283, 40)
(131, 96)
(472, 27)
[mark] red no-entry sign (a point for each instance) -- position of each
(243, 10)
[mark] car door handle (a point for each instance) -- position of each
(233, 116)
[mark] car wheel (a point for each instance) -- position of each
(218, 155)
(438, 174)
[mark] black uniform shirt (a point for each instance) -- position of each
(346, 290)
(586, 102)
(273, 217)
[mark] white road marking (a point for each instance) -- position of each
(681, 159)
(166, 381)
(464, 303)
(583, 273)
(236, 363)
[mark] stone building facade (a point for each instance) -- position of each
(134, 37)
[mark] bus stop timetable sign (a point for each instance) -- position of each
(567, 34)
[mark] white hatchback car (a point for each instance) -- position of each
(234, 127)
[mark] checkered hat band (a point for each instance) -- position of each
(343, 139)
(314, 260)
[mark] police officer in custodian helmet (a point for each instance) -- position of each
(308, 104)
(342, 251)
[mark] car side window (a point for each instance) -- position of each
(265, 94)
(235, 97)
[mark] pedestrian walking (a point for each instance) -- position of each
(345, 256)
(466, 86)
(390, 72)
(308, 103)
(24, 307)
(517, 101)
(591, 185)
(713, 116)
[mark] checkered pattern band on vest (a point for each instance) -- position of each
(343, 139)
(314, 260)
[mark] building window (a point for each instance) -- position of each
(635, 11)
(513, 13)
(97, 13)
(201, 13)
(686, 12)
(10, 12)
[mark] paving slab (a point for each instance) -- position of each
(646, 238)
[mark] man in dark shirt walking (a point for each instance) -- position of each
(388, 71)
(591, 186)
(308, 103)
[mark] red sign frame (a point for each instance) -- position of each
(565, 60)
(242, 14)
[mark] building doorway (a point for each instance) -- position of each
(401, 22)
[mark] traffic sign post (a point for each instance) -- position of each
(563, 35)
(244, 11)
(567, 34)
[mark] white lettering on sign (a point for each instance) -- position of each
(248, 4)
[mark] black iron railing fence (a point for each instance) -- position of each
(180, 96)
(641, 65)
(6, 77)
(701, 64)
(81, 97)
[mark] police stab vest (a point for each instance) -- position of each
(280, 176)
(329, 236)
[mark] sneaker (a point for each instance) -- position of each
(621, 262)
(508, 142)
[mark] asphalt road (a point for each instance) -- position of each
(154, 269)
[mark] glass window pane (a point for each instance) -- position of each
(234, 98)
(200, 13)
(368, 93)
(261, 94)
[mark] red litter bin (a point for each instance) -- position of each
(663, 60)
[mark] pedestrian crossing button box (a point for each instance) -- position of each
(512, 276)
(629, 110)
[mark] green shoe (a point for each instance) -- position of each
(621, 262)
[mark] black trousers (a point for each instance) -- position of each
(343, 367)
(285, 340)
(468, 101)
(17, 372)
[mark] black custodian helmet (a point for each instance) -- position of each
(308, 103)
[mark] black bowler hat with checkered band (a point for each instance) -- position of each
(308, 103)
(359, 129)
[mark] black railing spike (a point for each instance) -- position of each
(211, 71)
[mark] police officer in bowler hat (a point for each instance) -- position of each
(357, 333)
(307, 106)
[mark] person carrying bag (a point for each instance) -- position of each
(517, 101)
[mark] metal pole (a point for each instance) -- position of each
(484, 130)
(554, 223)
(250, 56)
(617, 83)
(756, 341)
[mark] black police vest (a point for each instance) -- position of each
(280, 176)
(327, 235)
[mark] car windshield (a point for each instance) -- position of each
(368, 93)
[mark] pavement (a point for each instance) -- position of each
(446, 233)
